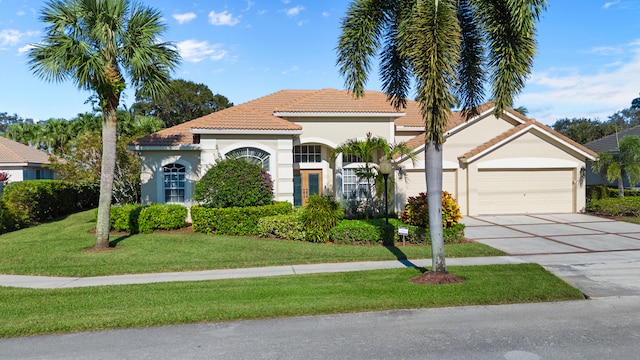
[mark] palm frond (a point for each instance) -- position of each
(471, 69)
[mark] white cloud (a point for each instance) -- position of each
(610, 4)
(294, 68)
(569, 93)
(25, 48)
(196, 51)
(325, 14)
(294, 11)
(21, 13)
(223, 18)
(249, 5)
(184, 18)
(10, 37)
(286, 1)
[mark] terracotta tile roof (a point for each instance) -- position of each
(14, 152)
(258, 114)
(338, 101)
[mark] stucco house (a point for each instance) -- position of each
(492, 165)
(23, 162)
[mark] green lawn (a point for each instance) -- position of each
(56, 249)
(32, 312)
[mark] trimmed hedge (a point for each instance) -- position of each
(35, 201)
(288, 226)
(234, 220)
(125, 218)
(626, 206)
(361, 232)
(598, 192)
(420, 235)
(162, 217)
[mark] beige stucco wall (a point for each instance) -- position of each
(338, 130)
(151, 173)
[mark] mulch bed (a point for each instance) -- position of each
(436, 278)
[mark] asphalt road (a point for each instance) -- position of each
(607, 328)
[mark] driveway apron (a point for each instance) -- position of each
(599, 256)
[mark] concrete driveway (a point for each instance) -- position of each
(599, 256)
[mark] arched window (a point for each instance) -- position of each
(251, 154)
(174, 176)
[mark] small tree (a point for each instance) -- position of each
(616, 165)
(234, 182)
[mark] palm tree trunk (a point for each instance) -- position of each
(620, 186)
(106, 177)
(433, 173)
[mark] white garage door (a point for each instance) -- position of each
(525, 191)
(416, 182)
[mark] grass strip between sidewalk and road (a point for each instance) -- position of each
(26, 312)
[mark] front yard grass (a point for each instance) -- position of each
(26, 312)
(56, 249)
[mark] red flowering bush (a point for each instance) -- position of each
(416, 212)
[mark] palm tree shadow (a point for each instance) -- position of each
(402, 258)
(113, 243)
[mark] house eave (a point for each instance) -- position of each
(409, 128)
(163, 148)
(244, 132)
(312, 114)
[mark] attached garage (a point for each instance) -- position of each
(522, 191)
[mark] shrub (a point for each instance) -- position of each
(626, 206)
(234, 183)
(125, 218)
(420, 235)
(162, 217)
(355, 232)
(416, 212)
(8, 220)
(34, 201)
(234, 220)
(319, 216)
(286, 226)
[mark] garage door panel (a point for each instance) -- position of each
(525, 191)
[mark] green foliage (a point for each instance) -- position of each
(361, 232)
(286, 226)
(625, 206)
(319, 216)
(8, 219)
(616, 165)
(416, 212)
(420, 235)
(234, 220)
(162, 217)
(35, 201)
(184, 101)
(234, 183)
(125, 218)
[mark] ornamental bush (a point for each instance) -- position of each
(162, 217)
(234, 183)
(286, 226)
(319, 216)
(626, 206)
(416, 212)
(234, 220)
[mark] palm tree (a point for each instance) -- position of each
(96, 44)
(446, 48)
(616, 165)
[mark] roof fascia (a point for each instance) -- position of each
(284, 114)
(244, 132)
(163, 148)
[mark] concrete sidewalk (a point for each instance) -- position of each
(50, 282)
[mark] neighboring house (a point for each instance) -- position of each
(23, 162)
(605, 144)
(503, 165)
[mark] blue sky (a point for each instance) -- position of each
(588, 61)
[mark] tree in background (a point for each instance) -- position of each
(445, 48)
(184, 101)
(7, 120)
(625, 162)
(97, 44)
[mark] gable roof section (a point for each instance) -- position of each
(610, 142)
(521, 129)
(12, 152)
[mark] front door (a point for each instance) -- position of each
(305, 184)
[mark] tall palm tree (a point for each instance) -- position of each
(445, 48)
(97, 44)
(625, 162)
